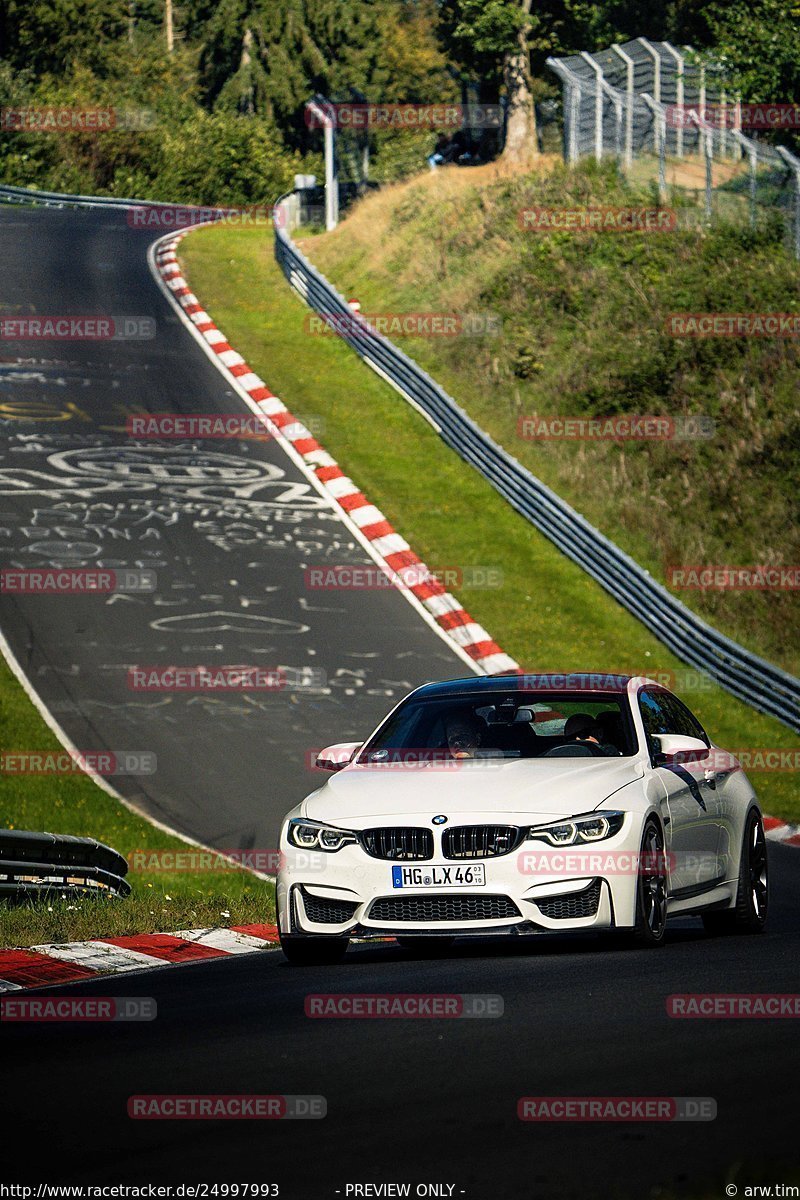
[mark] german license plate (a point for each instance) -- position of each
(450, 876)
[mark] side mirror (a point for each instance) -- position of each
(337, 756)
(677, 748)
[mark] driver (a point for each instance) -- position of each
(464, 734)
(586, 730)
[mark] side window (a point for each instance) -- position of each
(654, 716)
(682, 720)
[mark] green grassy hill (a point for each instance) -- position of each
(583, 334)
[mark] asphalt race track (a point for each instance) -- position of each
(428, 1100)
(408, 1101)
(228, 526)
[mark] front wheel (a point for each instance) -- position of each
(314, 951)
(651, 889)
(749, 915)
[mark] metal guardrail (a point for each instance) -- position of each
(35, 863)
(20, 195)
(744, 674)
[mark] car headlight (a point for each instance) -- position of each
(311, 835)
(591, 827)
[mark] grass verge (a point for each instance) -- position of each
(547, 612)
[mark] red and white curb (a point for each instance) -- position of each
(391, 551)
(779, 831)
(65, 962)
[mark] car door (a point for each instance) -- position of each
(693, 835)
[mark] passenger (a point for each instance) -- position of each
(464, 735)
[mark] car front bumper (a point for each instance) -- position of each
(533, 888)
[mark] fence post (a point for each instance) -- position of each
(749, 148)
(598, 105)
(660, 127)
(707, 134)
(794, 165)
(572, 109)
(656, 57)
(679, 97)
(616, 100)
(628, 61)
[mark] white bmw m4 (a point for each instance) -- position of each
(517, 804)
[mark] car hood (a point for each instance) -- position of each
(557, 787)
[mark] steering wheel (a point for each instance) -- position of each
(574, 750)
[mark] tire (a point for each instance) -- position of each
(749, 914)
(314, 951)
(428, 946)
(651, 890)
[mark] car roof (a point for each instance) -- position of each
(565, 681)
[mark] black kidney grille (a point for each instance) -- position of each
(400, 843)
(577, 904)
(480, 841)
(325, 911)
(396, 909)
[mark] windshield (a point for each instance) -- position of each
(503, 725)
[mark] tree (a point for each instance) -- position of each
(495, 39)
(53, 35)
(758, 44)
